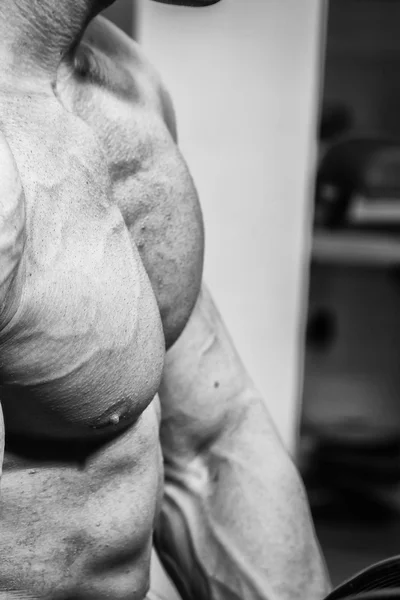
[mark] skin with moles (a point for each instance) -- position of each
(102, 252)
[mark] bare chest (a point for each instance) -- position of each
(151, 184)
(85, 344)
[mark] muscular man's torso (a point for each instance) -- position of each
(110, 272)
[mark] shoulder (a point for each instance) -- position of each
(12, 219)
(106, 38)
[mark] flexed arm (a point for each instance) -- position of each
(235, 522)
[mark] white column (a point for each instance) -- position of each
(244, 76)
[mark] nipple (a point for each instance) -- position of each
(113, 416)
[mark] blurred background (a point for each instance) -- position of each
(349, 450)
(288, 115)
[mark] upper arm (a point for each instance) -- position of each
(12, 221)
(204, 376)
(232, 492)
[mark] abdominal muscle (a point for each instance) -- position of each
(82, 528)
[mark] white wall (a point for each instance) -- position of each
(244, 76)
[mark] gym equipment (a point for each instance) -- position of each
(193, 3)
(379, 582)
(357, 200)
(354, 167)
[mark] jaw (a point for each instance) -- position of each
(35, 35)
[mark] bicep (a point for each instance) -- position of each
(205, 381)
(232, 493)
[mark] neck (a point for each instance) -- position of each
(35, 35)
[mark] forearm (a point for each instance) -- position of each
(235, 521)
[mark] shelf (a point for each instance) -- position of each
(356, 248)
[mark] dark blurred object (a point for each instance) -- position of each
(122, 14)
(321, 329)
(353, 473)
(336, 120)
(387, 594)
(353, 168)
(193, 3)
(378, 582)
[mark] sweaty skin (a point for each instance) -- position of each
(101, 255)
